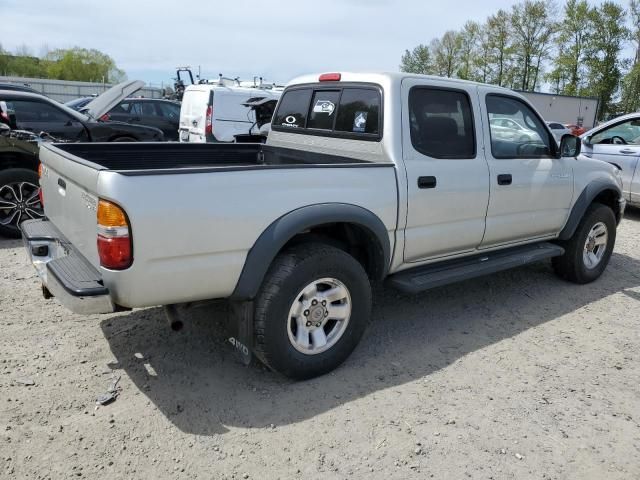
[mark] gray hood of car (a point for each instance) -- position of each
(112, 97)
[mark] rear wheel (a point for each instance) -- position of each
(587, 253)
(19, 200)
(311, 311)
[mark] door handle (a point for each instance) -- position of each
(427, 182)
(504, 179)
(627, 151)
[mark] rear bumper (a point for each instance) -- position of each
(64, 271)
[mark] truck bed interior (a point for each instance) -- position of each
(146, 157)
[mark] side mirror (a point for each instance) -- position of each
(570, 146)
(4, 129)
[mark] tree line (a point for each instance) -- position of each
(575, 49)
(80, 64)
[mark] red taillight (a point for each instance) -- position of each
(115, 252)
(105, 117)
(40, 197)
(330, 77)
(114, 237)
(208, 126)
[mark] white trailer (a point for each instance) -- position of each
(565, 109)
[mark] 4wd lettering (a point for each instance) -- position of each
(239, 346)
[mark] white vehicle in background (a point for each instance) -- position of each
(558, 130)
(618, 142)
(508, 129)
(217, 112)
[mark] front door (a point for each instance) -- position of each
(531, 190)
(618, 144)
(447, 174)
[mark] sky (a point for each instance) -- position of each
(275, 39)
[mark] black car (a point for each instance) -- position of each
(162, 114)
(37, 113)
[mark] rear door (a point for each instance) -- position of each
(169, 115)
(447, 174)
(230, 116)
(193, 112)
(531, 191)
(618, 144)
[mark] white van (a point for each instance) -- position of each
(216, 112)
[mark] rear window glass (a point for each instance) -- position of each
(323, 109)
(359, 111)
(292, 112)
(441, 123)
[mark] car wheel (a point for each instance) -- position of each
(587, 253)
(19, 199)
(311, 311)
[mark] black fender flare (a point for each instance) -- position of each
(276, 235)
(586, 197)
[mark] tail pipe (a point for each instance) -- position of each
(173, 317)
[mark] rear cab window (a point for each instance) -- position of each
(344, 111)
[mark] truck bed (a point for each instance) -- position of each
(150, 158)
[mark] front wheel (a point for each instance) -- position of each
(588, 251)
(311, 311)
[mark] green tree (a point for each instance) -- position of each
(533, 29)
(631, 82)
(445, 53)
(468, 40)
(417, 61)
(83, 65)
(498, 44)
(603, 55)
(574, 38)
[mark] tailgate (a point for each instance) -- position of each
(68, 186)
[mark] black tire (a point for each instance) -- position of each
(124, 139)
(571, 266)
(290, 272)
(12, 178)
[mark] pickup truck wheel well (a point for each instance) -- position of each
(351, 228)
(356, 240)
(596, 192)
(17, 160)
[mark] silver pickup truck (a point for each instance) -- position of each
(365, 178)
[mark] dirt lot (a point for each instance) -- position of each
(519, 375)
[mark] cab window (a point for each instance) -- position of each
(441, 123)
(516, 131)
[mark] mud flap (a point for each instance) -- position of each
(241, 330)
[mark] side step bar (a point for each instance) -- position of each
(435, 275)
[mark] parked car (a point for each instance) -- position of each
(36, 113)
(558, 130)
(618, 142)
(217, 112)
(509, 129)
(576, 130)
(158, 113)
(364, 178)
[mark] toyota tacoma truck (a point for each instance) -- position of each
(364, 179)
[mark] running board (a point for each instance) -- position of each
(451, 271)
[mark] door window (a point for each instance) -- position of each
(135, 110)
(169, 111)
(441, 123)
(516, 131)
(625, 133)
(36, 112)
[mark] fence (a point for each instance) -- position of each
(65, 90)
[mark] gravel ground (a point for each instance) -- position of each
(515, 376)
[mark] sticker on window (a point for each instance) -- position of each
(290, 121)
(324, 106)
(360, 122)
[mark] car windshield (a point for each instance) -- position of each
(625, 132)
